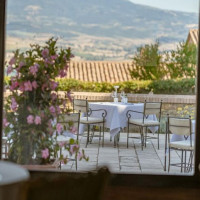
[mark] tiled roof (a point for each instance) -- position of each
(193, 37)
(100, 71)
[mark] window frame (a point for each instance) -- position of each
(119, 179)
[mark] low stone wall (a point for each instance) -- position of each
(100, 96)
(174, 99)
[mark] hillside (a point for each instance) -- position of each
(95, 29)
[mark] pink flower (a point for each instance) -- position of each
(12, 61)
(54, 57)
(44, 86)
(45, 53)
(45, 153)
(34, 69)
(79, 156)
(74, 148)
(34, 84)
(30, 119)
(52, 109)
(58, 109)
(73, 129)
(5, 123)
(48, 61)
(28, 86)
(21, 64)
(13, 104)
(59, 128)
(37, 120)
(14, 84)
(53, 96)
(61, 144)
(50, 128)
(9, 69)
(62, 73)
(72, 56)
(53, 85)
(66, 67)
(21, 87)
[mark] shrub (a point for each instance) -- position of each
(180, 86)
(148, 63)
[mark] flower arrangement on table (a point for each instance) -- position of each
(33, 103)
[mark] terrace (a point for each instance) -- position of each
(119, 159)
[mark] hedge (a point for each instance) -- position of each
(180, 86)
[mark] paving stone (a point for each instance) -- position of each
(108, 162)
(130, 169)
(128, 159)
(121, 159)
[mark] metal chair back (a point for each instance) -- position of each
(80, 105)
(152, 108)
(179, 126)
(70, 122)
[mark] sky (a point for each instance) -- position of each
(179, 5)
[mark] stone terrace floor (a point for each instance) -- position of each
(119, 159)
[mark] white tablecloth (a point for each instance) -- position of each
(116, 114)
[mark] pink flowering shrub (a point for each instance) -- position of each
(33, 103)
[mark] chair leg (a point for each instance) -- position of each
(103, 136)
(118, 138)
(76, 161)
(181, 161)
(142, 137)
(100, 133)
(185, 161)
(92, 135)
(88, 134)
(145, 137)
(127, 134)
(190, 161)
(159, 137)
(165, 161)
(169, 159)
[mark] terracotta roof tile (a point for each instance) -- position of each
(193, 37)
(100, 71)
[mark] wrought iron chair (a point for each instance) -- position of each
(182, 127)
(150, 108)
(82, 106)
(70, 123)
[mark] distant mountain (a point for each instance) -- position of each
(114, 19)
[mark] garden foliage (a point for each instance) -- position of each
(150, 64)
(33, 105)
(178, 86)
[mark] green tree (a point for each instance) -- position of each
(147, 63)
(181, 63)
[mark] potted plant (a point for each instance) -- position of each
(33, 104)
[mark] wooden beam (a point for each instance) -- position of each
(2, 54)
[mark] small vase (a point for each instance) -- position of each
(116, 100)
